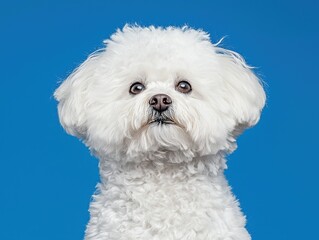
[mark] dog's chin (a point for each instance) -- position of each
(161, 139)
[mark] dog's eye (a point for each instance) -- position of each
(183, 87)
(136, 88)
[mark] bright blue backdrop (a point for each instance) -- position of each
(48, 177)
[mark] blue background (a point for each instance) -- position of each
(48, 177)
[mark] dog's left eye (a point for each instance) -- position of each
(136, 88)
(183, 87)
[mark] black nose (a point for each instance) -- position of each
(160, 102)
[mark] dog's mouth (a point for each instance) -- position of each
(161, 120)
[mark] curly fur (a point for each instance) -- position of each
(162, 181)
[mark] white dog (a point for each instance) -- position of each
(161, 108)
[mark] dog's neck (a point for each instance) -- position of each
(209, 165)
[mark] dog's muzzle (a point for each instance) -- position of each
(160, 103)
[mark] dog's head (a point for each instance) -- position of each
(158, 92)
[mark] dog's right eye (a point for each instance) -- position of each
(136, 88)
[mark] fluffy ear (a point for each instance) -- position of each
(244, 92)
(72, 98)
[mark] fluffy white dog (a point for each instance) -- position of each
(161, 108)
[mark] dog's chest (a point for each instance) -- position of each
(170, 205)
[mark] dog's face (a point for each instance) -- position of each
(162, 93)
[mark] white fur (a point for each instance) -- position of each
(162, 182)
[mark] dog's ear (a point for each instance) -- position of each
(244, 92)
(72, 98)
